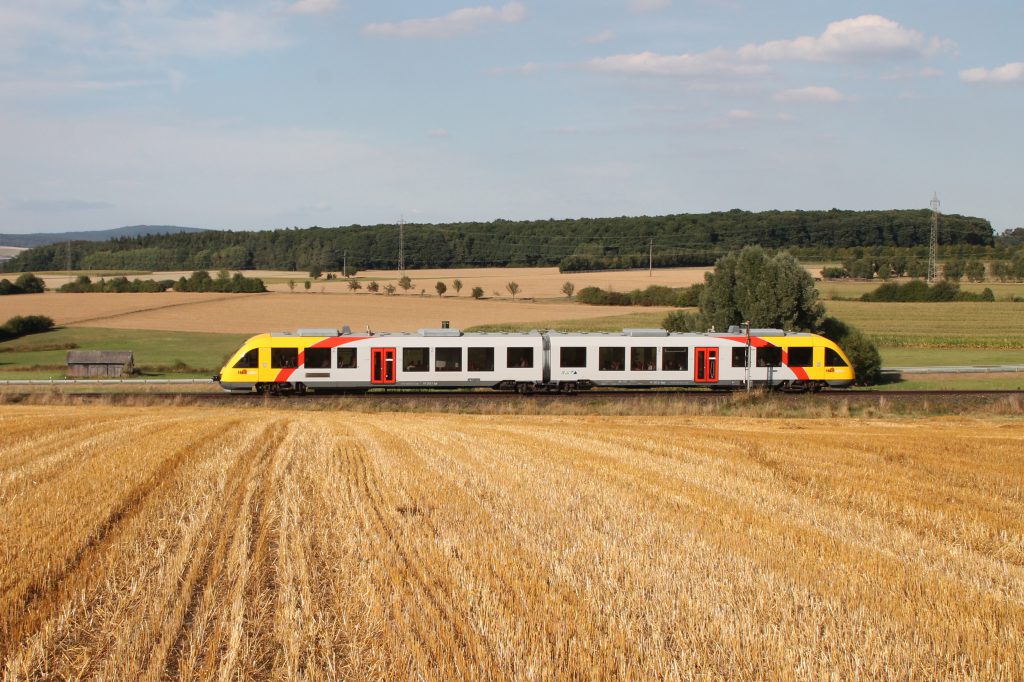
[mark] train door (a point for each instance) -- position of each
(265, 373)
(382, 364)
(705, 366)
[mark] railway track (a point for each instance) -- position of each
(410, 395)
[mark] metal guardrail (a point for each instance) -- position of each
(100, 382)
(953, 369)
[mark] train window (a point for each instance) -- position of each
(573, 356)
(802, 356)
(834, 359)
(416, 359)
(317, 358)
(739, 357)
(347, 358)
(284, 357)
(675, 359)
(643, 359)
(480, 359)
(611, 359)
(520, 357)
(769, 356)
(250, 359)
(447, 359)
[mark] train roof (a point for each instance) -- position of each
(447, 332)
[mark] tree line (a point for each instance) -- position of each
(1005, 265)
(573, 244)
(25, 284)
(200, 281)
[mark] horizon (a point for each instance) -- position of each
(299, 113)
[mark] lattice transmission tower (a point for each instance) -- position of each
(933, 243)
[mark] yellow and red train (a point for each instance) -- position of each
(329, 360)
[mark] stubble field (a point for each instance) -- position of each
(255, 313)
(174, 543)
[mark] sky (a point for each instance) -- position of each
(262, 114)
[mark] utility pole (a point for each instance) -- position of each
(344, 264)
(933, 243)
(746, 365)
(401, 245)
(650, 259)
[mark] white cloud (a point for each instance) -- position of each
(26, 24)
(647, 5)
(866, 37)
(863, 38)
(56, 205)
(59, 86)
(1007, 73)
(602, 37)
(811, 93)
(530, 67)
(223, 32)
(742, 115)
(438, 132)
(713, 63)
(313, 6)
(459, 22)
(908, 74)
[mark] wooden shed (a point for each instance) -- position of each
(100, 363)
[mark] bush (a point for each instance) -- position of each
(863, 354)
(834, 273)
(25, 284)
(919, 291)
(477, 293)
(21, 326)
(237, 283)
(682, 321)
(652, 295)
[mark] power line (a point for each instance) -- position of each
(933, 243)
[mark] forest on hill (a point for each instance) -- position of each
(574, 244)
(32, 239)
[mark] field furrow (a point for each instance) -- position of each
(152, 544)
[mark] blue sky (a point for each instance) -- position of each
(273, 113)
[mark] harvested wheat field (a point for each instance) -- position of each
(535, 282)
(254, 313)
(175, 543)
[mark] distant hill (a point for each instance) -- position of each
(43, 238)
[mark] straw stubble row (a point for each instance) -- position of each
(154, 544)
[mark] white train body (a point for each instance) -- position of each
(329, 360)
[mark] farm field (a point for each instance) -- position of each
(908, 334)
(996, 326)
(158, 354)
(255, 313)
(535, 282)
(170, 542)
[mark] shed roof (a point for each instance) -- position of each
(100, 357)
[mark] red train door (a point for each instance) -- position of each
(705, 368)
(382, 365)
